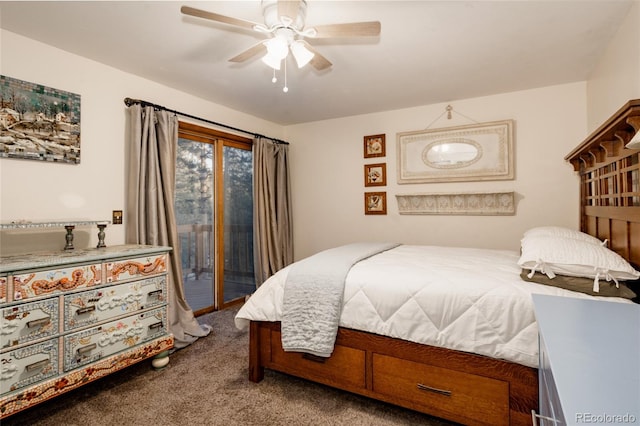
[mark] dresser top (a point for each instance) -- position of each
(593, 348)
(22, 224)
(22, 262)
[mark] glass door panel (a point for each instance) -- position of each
(238, 223)
(195, 216)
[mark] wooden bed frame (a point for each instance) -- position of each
(610, 182)
(459, 386)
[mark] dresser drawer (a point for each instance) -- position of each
(28, 322)
(99, 305)
(441, 391)
(25, 366)
(95, 343)
(4, 287)
(136, 268)
(44, 283)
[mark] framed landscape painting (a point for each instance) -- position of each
(38, 122)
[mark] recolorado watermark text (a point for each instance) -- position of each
(605, 418)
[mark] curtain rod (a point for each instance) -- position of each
(129, 102)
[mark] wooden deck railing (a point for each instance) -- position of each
(196, 247)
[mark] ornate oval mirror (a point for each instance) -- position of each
(452, 153)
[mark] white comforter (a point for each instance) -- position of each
(471, 300)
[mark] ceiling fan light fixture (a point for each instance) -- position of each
(272, 61)
(277, 48)
(301, 54)
(284, 21)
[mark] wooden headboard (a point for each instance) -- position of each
(610, 182)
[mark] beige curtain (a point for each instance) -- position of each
(150, 216)
(272, 222)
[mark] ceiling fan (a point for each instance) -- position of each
(284, 24)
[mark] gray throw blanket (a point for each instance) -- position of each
(313, 293)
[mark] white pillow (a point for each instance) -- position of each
(553, 255)
(561, 232)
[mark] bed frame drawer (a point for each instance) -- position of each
(484, 391)
(441, 390)
(346, 365)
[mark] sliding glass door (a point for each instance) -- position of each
(214, 207)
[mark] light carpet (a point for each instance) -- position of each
(207, 383)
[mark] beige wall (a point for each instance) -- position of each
(616, 78)
(34, 190)
(327, 162)
(328, 183)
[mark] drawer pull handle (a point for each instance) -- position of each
(86, 349)
(37, 365)
(39, 322)
(155, 293)
(535, 417)
(434, 390)
(155, 325)
(86, 309)
(314, 358)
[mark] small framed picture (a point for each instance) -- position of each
(374, 146)
(375, 203)
(375, 174)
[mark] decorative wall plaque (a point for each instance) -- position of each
(476, 203)
(476, 152)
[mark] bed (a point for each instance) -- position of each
(451, 331)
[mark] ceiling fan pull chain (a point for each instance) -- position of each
(274, 79)
(285, 89)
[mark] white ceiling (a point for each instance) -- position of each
(428, 51)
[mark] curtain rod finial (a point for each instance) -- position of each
(128, 101)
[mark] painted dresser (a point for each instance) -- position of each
(589, 361)
(68, 318)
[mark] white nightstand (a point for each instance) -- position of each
(589, 361)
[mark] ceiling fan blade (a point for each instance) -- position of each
(257, 49)
(289, 9)
(218, 18)
(318, 61)
(353, 29)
